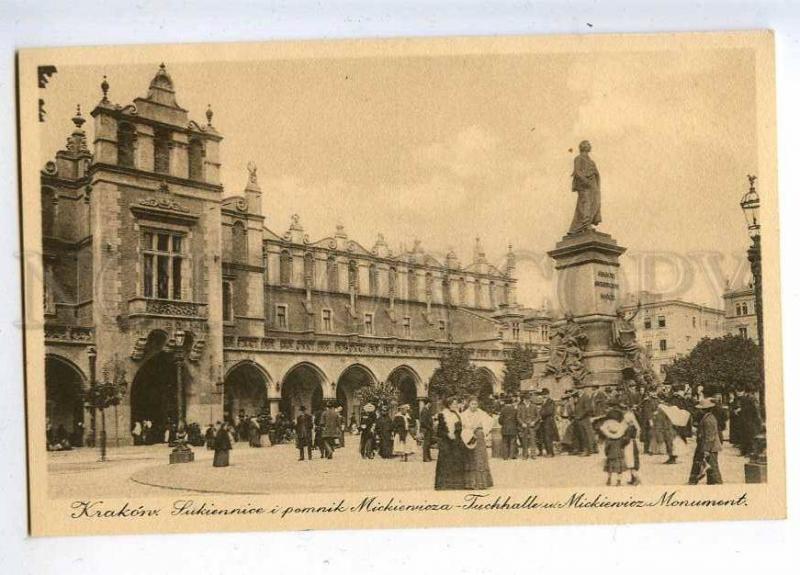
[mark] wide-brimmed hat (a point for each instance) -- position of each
(369, 408)
(612, 429)
(705, 403)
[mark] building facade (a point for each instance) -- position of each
(670, 328)
(154, 276)
(740, 312)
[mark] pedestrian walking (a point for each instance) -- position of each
(426, 429)
(705, 462)
(403, 439)
(476, 424)
(222, 446)
(450, 460)
(304, 433)
(509, 429)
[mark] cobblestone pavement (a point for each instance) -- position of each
(145, 472)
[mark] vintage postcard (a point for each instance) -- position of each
(401, 283)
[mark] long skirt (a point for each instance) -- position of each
(404, 446)
(222, 457)
(631, 455)
(476, 465)
(450, 465)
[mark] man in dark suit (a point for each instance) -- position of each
(426, 428)
(304, 437)
(583, 421)
(708, 446)
(330, 430)
(509, 429)
(547, 416)
(527, 416)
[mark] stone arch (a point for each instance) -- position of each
(352, 378)
(247, 387)
(409, 386)
(489, 381)
(64, 385)
(303, 384)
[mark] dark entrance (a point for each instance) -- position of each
(353, 378)
(301, 386)
(63, 391)
(154, 393)
(405, 380)
(245, 390)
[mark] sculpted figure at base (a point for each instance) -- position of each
(566, 350)
(623, 337)
(586, 183)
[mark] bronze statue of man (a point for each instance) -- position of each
(586, 183)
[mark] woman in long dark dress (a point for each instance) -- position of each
(450, 461)
(476, 424)
(222, 447)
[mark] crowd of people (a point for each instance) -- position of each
(625, 422)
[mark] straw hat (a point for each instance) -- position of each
(612, 429)
(705, 403)
(369, 408)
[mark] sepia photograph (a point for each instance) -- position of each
(289, 285)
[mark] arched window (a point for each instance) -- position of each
(447, 295)
(196, 159)
(738, 309)
(126, 145)
(332, 271)
(308, 270)
(392, 282)
(492, 295)
(286, 268)
(478, 294)
(506, 294)
(462, 291)
(162, 142)
(239, 242)
(352, 276)
(412, 284)
(373, 279)
(744, 308)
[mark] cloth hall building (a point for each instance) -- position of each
(155, 277)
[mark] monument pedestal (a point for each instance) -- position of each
(587, 270)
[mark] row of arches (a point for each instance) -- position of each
(247, 388)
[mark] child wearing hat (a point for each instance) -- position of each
(615, 433)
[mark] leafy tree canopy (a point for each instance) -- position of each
(518, 366)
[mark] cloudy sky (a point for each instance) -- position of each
(451, 147)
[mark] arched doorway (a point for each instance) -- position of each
(350, 381)
(64, 384)
(245, 390)
(154, 393)
(487, 385)
(302, 385)
(405, 381)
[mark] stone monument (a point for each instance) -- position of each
(592, 344)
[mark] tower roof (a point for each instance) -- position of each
(162, 89)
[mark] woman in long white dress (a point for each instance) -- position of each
(476, 425)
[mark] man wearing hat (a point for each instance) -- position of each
(583, 421)
(367, 428)
(426, 428)
(547, 416)
(706, 453)
(527, 414)
(304, 433)
(331, 429)
(509, 428)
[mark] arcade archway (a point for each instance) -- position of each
(487, 383)
(406, 381)
(64, 383)
(154, 393)
(245, 390)
(302, 385)
(352, 378)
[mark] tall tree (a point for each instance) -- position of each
(457, 375)
(720, 365)
(518, 366)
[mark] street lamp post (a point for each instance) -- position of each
(755, 470)
(751, 204)
(181, 453)
(92, 353)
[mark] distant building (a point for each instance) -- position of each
(670, 328)
(740, 311)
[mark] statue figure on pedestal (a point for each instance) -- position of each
(586, 183)
(623, 337)
(566, 351)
